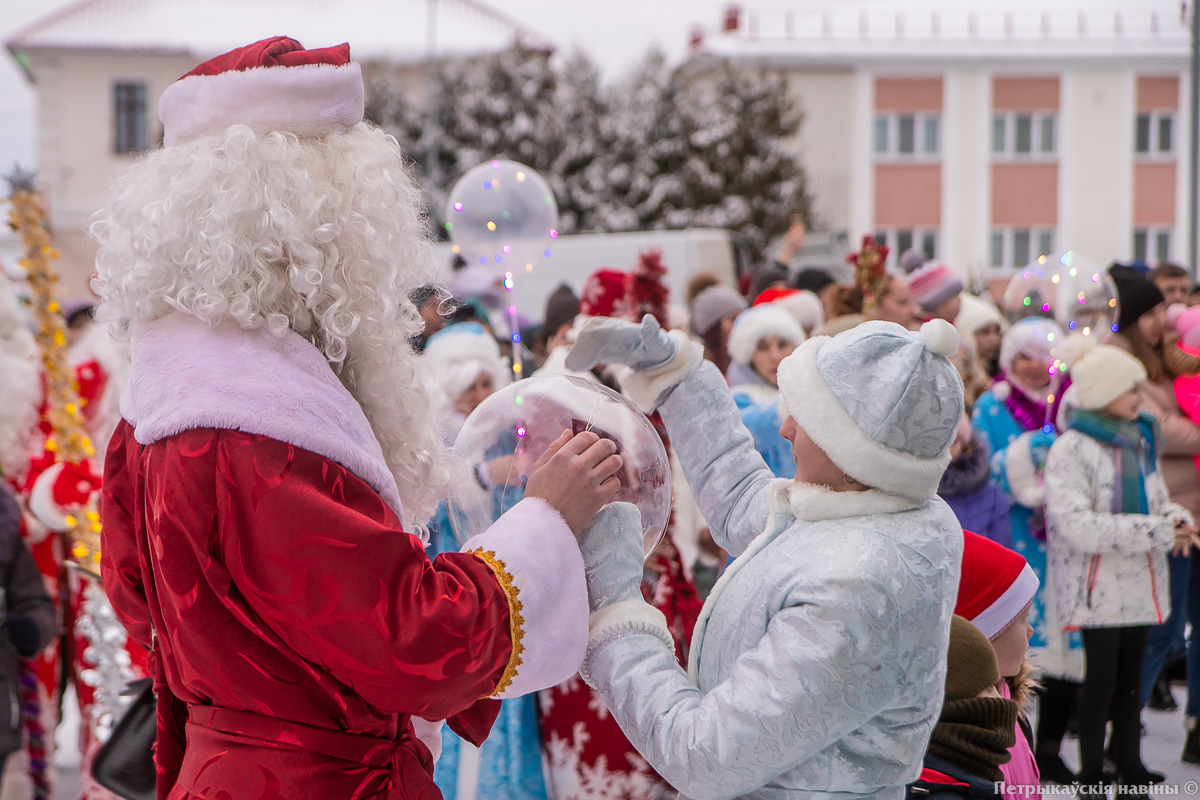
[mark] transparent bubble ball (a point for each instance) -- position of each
(508, 432)
(502, 215)
(1066, 288)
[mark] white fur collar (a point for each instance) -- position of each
(187, 375)
(810, 503)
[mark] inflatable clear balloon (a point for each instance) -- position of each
(502, 214)
(1066, 288)
(508, 432)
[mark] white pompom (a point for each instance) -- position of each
(1002, 391)
(940, 337)
(1074, 348)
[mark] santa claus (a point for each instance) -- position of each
(265, 493)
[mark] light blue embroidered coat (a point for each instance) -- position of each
(819, 660)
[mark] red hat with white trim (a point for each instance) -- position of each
(997, 584)
(272, 85)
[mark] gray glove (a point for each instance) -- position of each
(614, 341)
(613, 557)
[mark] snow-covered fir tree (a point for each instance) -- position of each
(657, 149)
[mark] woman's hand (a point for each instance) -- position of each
(576, 476)
(1186, 537)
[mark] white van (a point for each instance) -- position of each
(574, 258)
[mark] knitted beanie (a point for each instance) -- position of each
(997, 584)
(971, 665)
(911, 260)
(1136, 295)
(934, 284)
(882, 402)
(1100, 373)
(713, 305)
(977, 313)
(754, 324)
(561, 309)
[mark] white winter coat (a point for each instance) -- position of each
(1107, 569)
(818, 663)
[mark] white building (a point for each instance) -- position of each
(100, 66)
(985, 136)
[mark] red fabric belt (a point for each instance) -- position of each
(240, 754)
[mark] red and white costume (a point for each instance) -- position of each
(252, 526)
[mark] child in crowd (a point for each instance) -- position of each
(995, 594)
(968, 489)
(971, 741)
(1111, 524)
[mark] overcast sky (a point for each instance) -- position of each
(615, 32)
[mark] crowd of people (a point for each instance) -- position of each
(898, 517)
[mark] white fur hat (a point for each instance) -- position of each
(976, 313)
(883, 403)
(1100, 373)
(459, 354)
(805, 307)
(1034, 337)
(760, 321)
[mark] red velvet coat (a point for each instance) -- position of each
(297, 627)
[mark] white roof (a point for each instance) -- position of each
(851, 31)
(393, 30)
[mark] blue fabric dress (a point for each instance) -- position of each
(1057, 653)
(510, 761)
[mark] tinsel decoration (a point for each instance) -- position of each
(109, 667)
(870, 268)
(64, 413)
(647, 291)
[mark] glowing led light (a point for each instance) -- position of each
(553, 234)
(520, 400)
(1047, 429)
(506, 250)
(546, 253)
(455, 249)
(520, 430)
(449, 226)
(512, 311)
(529, 267)
(1071, 325)
(496, 164)
(458, 206)
(516, 337)
(1112, 303)
(483, 259)
(516, 367)
(1050, 399)
(1041, 259)
(491, 226)
(499, 258)
(1056, 277)
(520, 177)
(1025, 301)
(487, 184)
(506, 215)
(1045, 307)
(1050, 337)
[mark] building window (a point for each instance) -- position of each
(129, 117)
(1152, 244)
(1154, 133)
(1024, 134)
(900, 240)
(1010, 248)
(907, 135)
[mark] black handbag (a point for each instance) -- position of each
(125, 763)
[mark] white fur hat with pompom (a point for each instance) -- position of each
(882, 402)
(1100, 373)
(755, 324)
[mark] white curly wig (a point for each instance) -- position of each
(322, 236)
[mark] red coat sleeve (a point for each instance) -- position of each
(324, 563)
(120, 564)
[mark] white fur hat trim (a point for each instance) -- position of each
(756, 323)
(308, 100)
(813, 405)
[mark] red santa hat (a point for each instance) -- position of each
(272, 85)
(997, 584)
(605, 294)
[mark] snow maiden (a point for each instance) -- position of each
(817, 666)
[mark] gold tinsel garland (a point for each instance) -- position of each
(67, 440)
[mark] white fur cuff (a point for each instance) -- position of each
(626, 615)
(645, 388)
(1023, 480)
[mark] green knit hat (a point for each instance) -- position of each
(970, 663)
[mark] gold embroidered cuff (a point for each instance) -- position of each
(516, 621)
